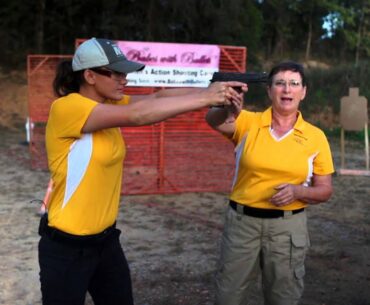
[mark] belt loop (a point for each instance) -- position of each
(288, 214)
(240, 208)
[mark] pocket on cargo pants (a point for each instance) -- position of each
(299, 246)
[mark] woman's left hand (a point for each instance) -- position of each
(236, 105)
(286, 194)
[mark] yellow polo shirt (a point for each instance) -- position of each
(264, 162)
(86, 169)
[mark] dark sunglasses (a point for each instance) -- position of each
(109, 73)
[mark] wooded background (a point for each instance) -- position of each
(331, 37)
(270, 29)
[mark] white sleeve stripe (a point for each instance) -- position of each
(310, 169)
(238, 153)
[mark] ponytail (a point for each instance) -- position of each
(67, 81)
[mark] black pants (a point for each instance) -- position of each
(69, 270)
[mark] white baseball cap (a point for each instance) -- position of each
(97, 52)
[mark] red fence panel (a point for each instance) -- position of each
(182, 154)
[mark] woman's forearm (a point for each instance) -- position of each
(177, 92)
(314, 194)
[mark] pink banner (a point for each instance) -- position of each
(172, 54)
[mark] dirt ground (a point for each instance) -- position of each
(171, 241)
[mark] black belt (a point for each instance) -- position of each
(261, 213)
(62, 236)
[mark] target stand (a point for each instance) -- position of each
(353, 117)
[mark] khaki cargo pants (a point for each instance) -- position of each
(274, 247)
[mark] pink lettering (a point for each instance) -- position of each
(169, 59)
(189, 57)
(136, 55)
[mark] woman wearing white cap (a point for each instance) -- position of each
(79, 249)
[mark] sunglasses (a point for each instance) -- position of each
(109, 73)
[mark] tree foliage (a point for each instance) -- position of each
(271, 29)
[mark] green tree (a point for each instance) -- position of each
(292, 28)
(352, 27)
(309, 17)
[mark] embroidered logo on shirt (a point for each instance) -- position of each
(299, 138)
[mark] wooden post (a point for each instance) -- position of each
(366, 147)
(342, 149)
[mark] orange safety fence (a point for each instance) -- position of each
(182, 154)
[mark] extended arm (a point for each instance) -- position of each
(158, 107)
(167, 93)
(222, 119)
